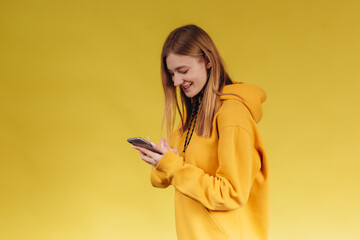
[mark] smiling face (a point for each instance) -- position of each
(189, 73)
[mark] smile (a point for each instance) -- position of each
(186, 87)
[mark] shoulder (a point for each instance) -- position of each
(234, 113)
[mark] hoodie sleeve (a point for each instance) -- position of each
(158, 179)
(230, 187)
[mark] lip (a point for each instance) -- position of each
(186, 88)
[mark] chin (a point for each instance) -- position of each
(190, 95)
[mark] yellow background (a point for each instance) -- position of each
(79, 77)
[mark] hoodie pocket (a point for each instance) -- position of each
(216, 225)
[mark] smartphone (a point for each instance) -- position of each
(138, 141)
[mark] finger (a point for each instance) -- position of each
(146, 156)
(147, 159)
(140, 149)
(161, 149)
(146, 151)
(165, 143)
(157, 147)
(153, 144)
(162, 142)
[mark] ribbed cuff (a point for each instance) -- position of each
(169, 163)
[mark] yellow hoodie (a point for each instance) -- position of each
(221, 182)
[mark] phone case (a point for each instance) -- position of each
(137, 141)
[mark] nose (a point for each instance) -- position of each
(177, 80)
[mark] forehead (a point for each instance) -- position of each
(175, 60)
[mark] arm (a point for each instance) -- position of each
(230, 187)
(158, 179)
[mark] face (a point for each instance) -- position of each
(187, 72)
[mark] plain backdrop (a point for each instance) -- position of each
(77, 78)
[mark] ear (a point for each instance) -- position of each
(207, 62)
(208, 65)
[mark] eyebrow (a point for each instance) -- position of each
(178, 68)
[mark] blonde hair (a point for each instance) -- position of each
(193, 41)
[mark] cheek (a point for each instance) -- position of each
(203, 77)
(199, 76)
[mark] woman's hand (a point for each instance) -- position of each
(151, 157)
(163, 143)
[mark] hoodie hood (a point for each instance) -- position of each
(253, 97)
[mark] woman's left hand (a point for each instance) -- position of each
(151, 157)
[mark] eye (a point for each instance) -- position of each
(184, 72)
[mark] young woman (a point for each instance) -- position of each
(216, 159)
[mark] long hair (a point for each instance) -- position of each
(193, 41)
